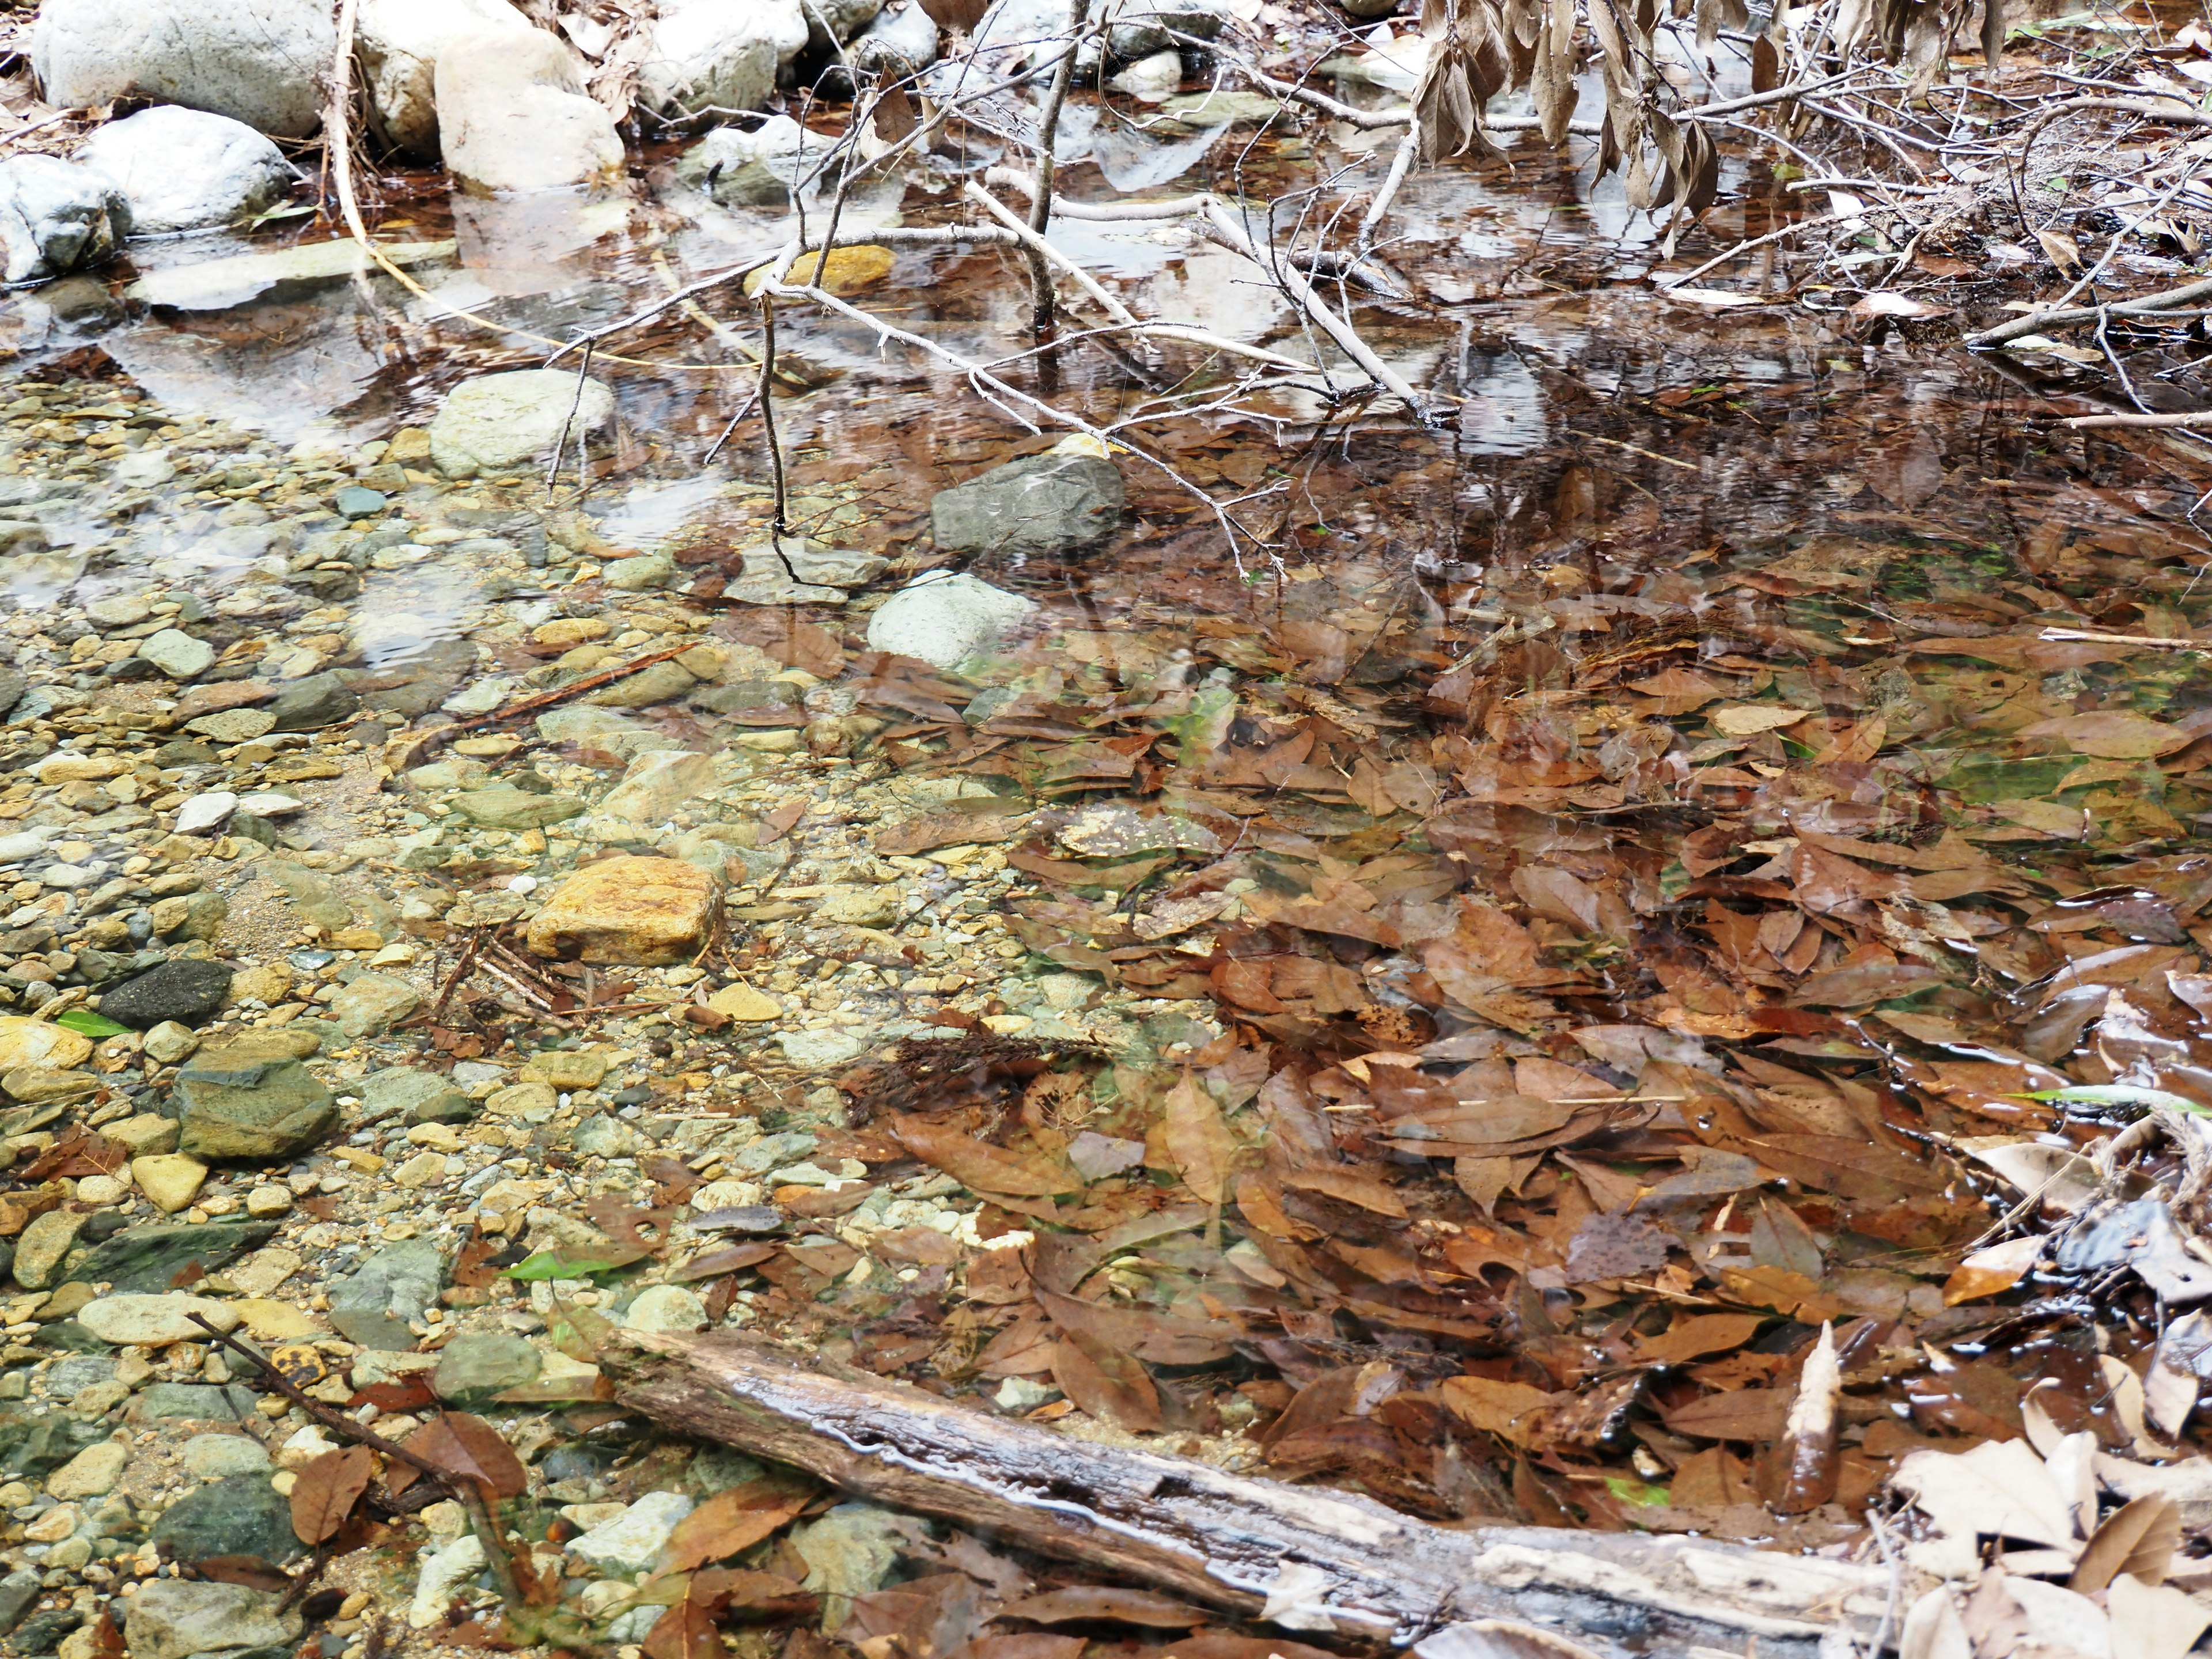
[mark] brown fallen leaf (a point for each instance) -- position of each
(2113, 734)
(981, 1166)
(1989, 1271)
(327, 1489)
(1199, 1141)
(468, 1447)
(1110, 1384)
(1503, 1409)
(730, 1521)
(2139, 1538)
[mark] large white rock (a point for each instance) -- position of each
(257, 61)
(512, 114)
(400, 42)
(154, 1321)
(721, 54)
(55, 217)
(500, 420)
(945, 620)
(184, 169)
(632, 1541)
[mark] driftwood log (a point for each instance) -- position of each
(1311, 1560)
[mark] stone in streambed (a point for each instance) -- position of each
(184, 169)
(1070, 497)
(663, 682)
(665, 1308)
(92, 1473)
(417, 1096)
(238, 1515)
(255, 61)
(174, 1618)
(146, 1260)
(311, 704)
(374, 1304)
(474, 1367)
(171, 1181)
(513, 116)
(373, 1003)
(177, 653)
(54, 218)
(505, 807)
(400, 43)
(496, 422)
(848, 1551)
(39, 1250)
(185, 989)
(643, 912)
(632, 1541)
(656, 785)
(638, 574)
(128, 1321)
(707, 54)
(25, 1042)
(252, 1105)
(945, 620)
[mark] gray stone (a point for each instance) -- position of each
(512, 115)
(759, 168)
(43, 1244)
(818, 1051)
(707, 54)
(177, 653)
(665, 1308)
(899, 41)
(77, 1373)
(633, 1540)
(18, 1590)
(849, 1552)
(372, 1003)
(497, 422)
(220, 284)
(55, 217)
(635, 575)
(174, 1618)
(797, 570)
(419, 1097)
(400, 44)
(231, 726)
(260, 1110)
(255, 61)
(945, 620)
(1138, 28)
(196, 1403)
(475, 1366)
(311, 704)
(1048, 503)
(205, 811)
(145, 1261)
(212, 1456)
(238, 1515)
(601, 728)
(664, 682)
(184, 169)
(185, 989)
(395, 1285)
(504, 807)
(601, 1136)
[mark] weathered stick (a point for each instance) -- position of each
(1309, 1560)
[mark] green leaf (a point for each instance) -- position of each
(551, 1264)
(2121, 1094)
(1635, 1492)
(84, 1022)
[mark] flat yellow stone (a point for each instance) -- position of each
(571, 631)
(357, 939)
(849, 269)
(741, 1001)
(271, 1321)
(488, 748)
(643, 912)
(170, 1180)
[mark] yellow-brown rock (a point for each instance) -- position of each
(640, 911)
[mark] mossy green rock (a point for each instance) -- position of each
(261, 1110)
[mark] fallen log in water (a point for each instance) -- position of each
(1310, 1559)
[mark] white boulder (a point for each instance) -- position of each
(499, 421)
(720, 54)
(399, 45)
(184, 169)
(255, 61)
(945, 620)
(512, 114)
(55, 217)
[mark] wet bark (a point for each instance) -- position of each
(1322, 1560)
